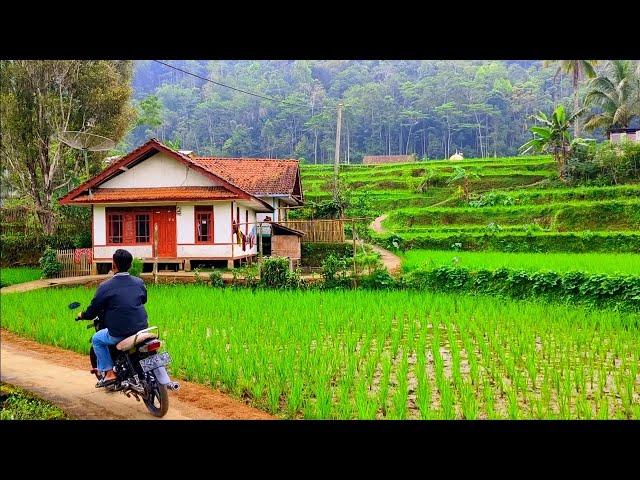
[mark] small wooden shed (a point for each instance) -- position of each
(286, 242)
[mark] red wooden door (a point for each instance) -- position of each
(165, 218)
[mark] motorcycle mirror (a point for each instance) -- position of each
(74, 305)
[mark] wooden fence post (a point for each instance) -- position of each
(155, 252)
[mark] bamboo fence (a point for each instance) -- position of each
(319, 231)
(75, 262)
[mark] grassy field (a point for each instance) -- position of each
(392, 355)
(624, 263)
(11, 276)
(18, 404)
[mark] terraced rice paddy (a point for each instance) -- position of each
(385, 355)
(622, 263)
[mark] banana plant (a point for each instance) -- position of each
(552, 135)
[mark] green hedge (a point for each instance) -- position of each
(621, 291)
(24, 250)
(313, 254)
(517, 241)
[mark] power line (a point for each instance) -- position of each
(234, 88)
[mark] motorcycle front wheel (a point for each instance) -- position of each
(157, 399)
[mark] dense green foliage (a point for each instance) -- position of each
(27, 249)
(275, 272)
(595, 289)
(605, 164)
(562, 262)
(313, 254)
(40, 99)
(430, 108)
(12, 276)
(49, 263)
(374, 354)
(511, 241)
(18, 404)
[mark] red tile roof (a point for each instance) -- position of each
(156, 193)
(258, 176)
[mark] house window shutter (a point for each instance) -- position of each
(129, 228)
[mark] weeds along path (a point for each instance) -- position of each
(62, 377)
(391, 261)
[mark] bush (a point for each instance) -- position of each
(622, 291)
(136, 267)
(275, 273)
(215, 278)
(25, 250)
(605, 163)
(49, 263)
(379, 279)
(510, 241)
(334, 273)
(313, 254)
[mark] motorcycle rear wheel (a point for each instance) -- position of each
(157, 401)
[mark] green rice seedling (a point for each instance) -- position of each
(310, 352)
(294, 399)
(489, 400)
(446, 401)
(512, 404)
(469, 403)
(583, 408)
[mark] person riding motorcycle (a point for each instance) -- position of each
(119, 302)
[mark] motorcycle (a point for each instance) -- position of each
(139, 367)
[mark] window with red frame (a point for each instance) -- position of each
(204, 224)
(115, 227)
(142, 228)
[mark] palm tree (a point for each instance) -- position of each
(552, 136)
(617, 94)
(578, 69)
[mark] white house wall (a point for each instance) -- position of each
(142, 251)
(99, 225)
(160, 170)
(185, 221)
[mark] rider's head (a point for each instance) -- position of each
(121, 261)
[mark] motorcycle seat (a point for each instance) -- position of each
(135, 339)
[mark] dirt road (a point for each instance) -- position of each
(376, 225)
(62, 378)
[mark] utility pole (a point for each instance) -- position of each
(336, 159)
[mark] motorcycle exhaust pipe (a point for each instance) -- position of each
(173, 386)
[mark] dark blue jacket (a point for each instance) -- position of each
(119, 302)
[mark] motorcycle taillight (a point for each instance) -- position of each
(151, 346)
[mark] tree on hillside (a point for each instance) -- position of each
(577, 69)
(616, 94)
(552, 136)
(40, 99)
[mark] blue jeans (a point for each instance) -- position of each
(101, 341)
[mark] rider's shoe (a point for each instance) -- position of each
(105, 383)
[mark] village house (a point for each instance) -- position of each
(385, 159)
(205, 209)
(616, 135)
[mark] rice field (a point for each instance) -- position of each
(11, 276)
(377, 355)
(623, 263)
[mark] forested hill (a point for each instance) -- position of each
(430, 108)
